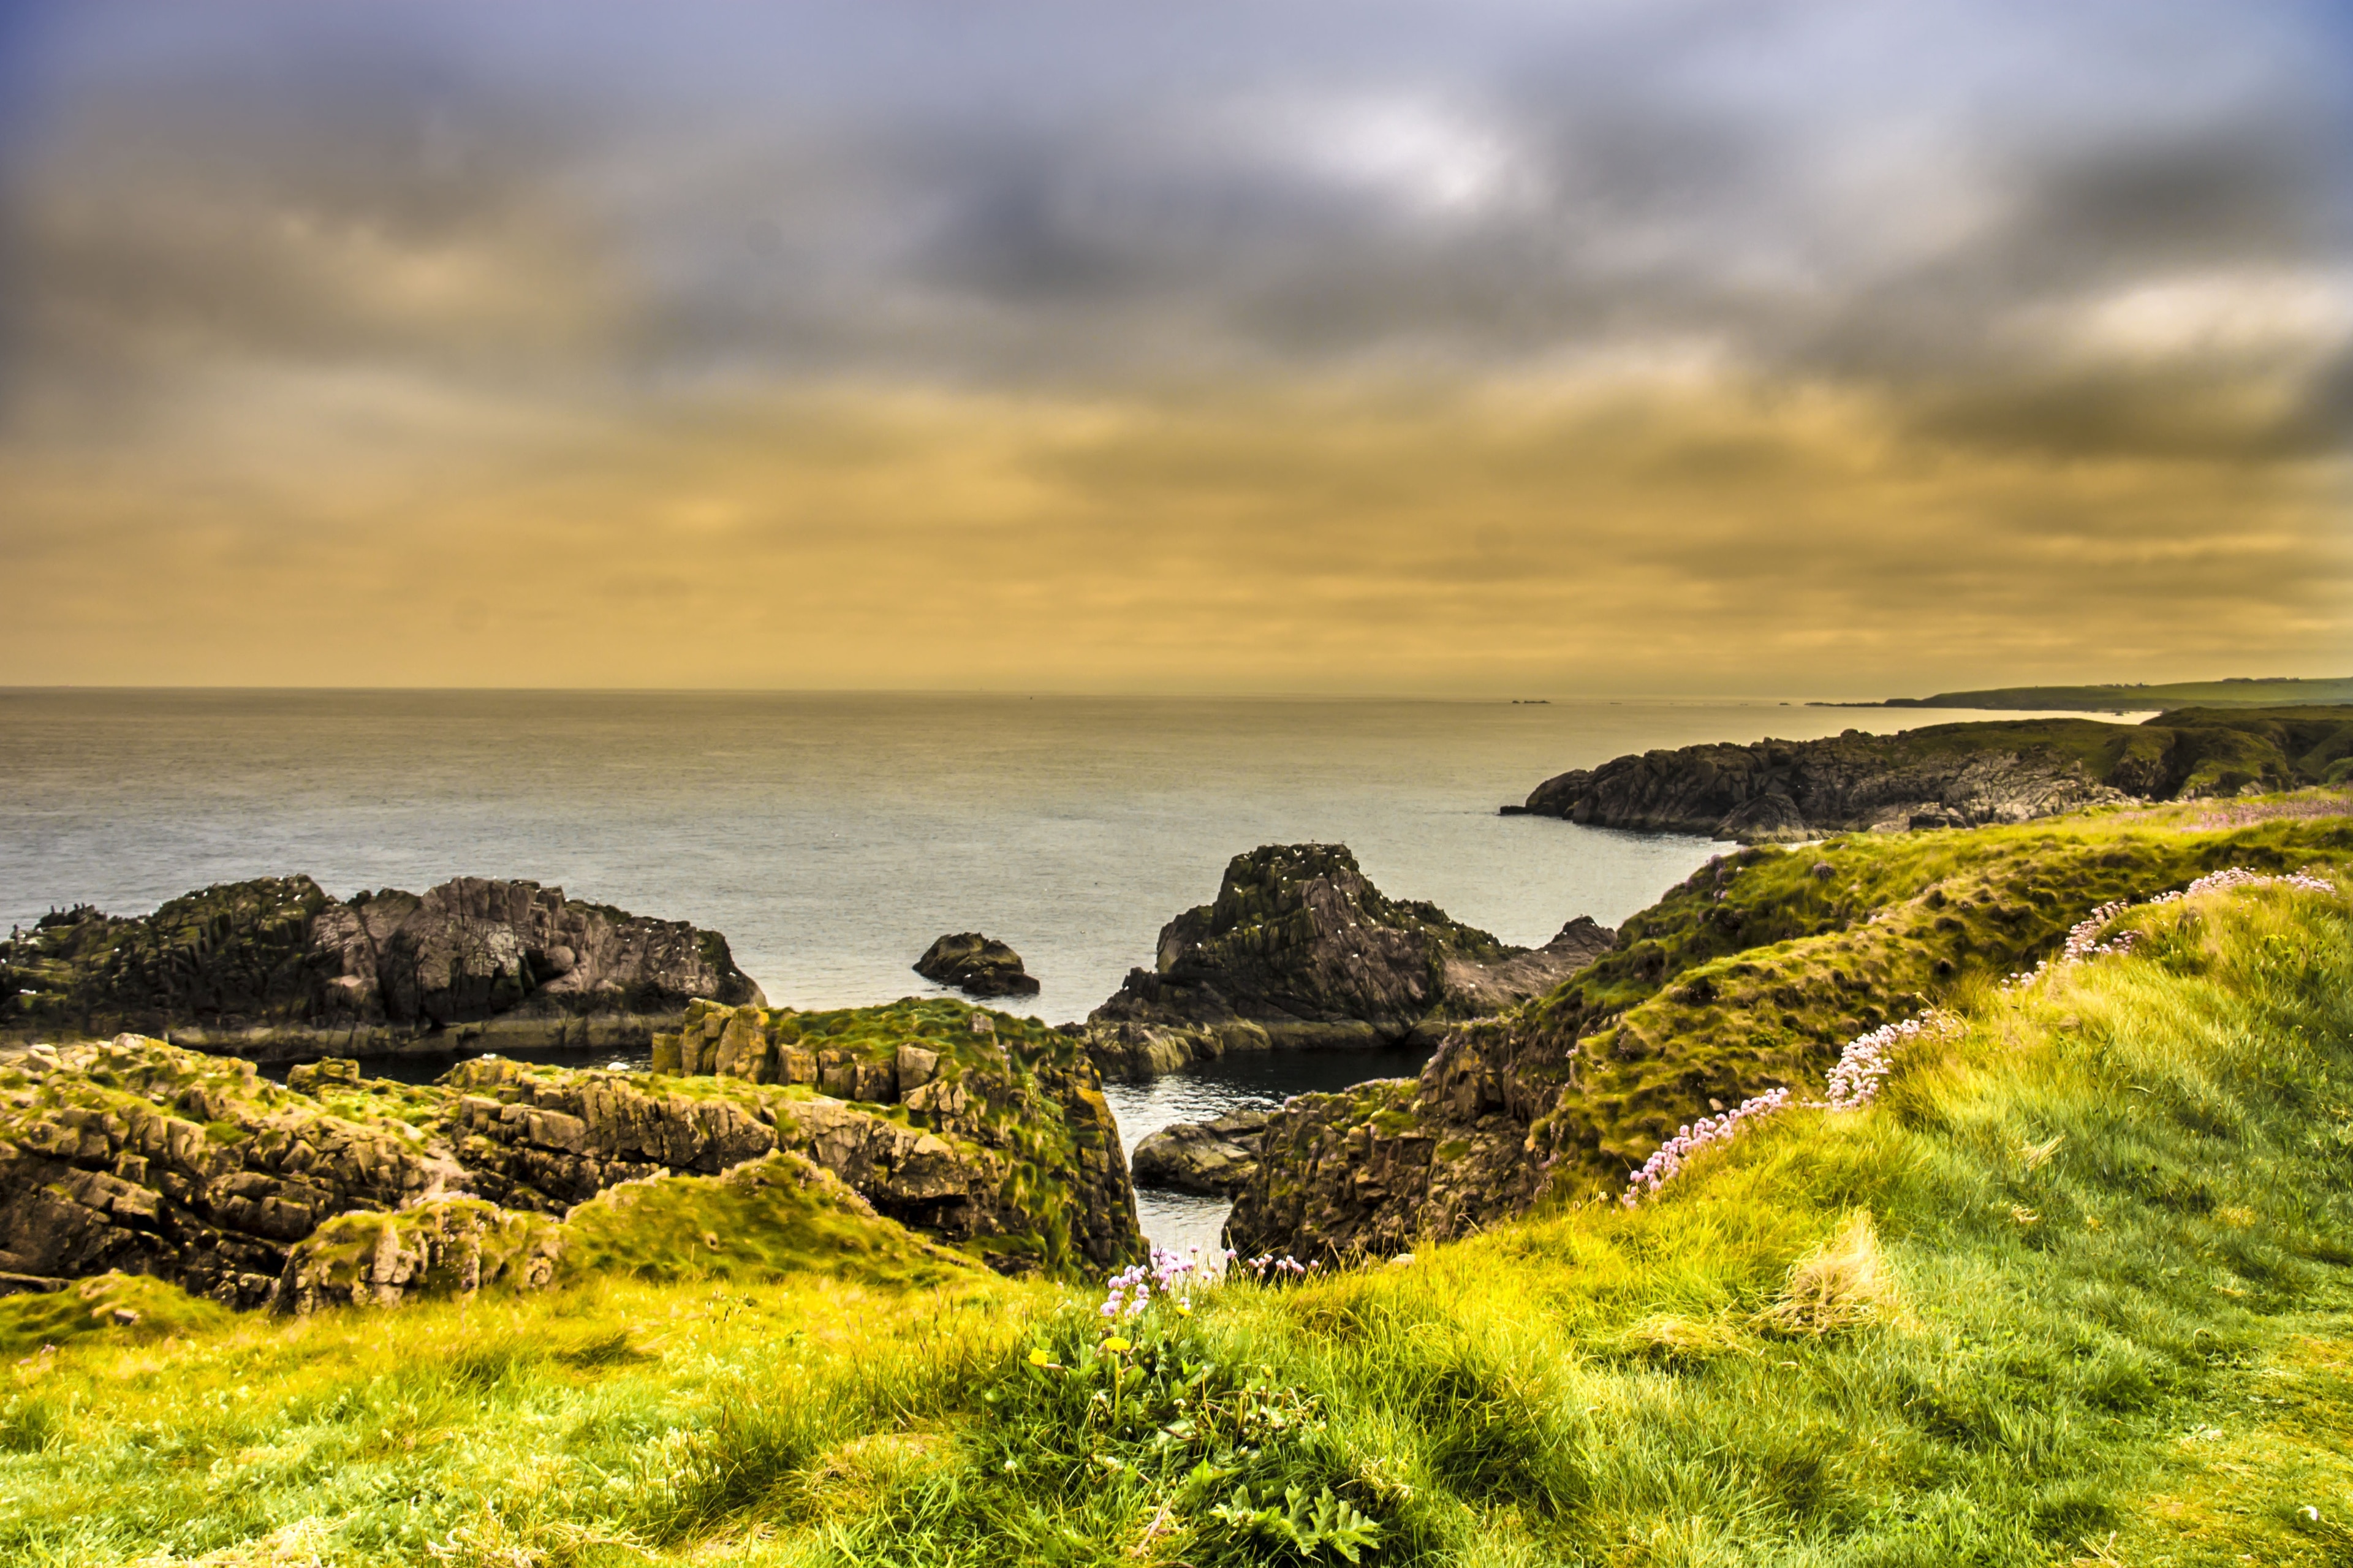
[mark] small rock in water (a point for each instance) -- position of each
(977, 965)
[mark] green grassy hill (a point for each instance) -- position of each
(2241, 692)
(2077, 1288)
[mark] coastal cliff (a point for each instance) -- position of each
(1950, 775)
(136, 1155)
(1301, 950)
(1749, 976)
(276, 970)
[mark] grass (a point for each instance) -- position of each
(2076, 1291)
(1758, 968)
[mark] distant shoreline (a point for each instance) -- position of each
(2235, 693)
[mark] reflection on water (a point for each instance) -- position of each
(1208, 1090)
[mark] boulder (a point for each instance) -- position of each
(977, 965)
(1216, 1158)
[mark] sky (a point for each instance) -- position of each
(1847, 348)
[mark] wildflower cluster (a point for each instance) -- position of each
(1662, 1165)
(1854, 1083)
(1867, 1059)
(1169, 1273)
(1267, 1263)
(2083, 937)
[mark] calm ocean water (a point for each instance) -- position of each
(832, 836)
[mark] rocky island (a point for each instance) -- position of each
(276, 970)
(1950, 775)
(1301, 950)
(976, 965)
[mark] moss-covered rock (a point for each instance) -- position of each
(139, 1156)
(1750, 975)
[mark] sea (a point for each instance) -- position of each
(832, 835)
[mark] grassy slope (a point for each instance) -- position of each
(2116, 1216)
(2111, 698)
(1755, 970)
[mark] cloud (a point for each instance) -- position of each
(1368, 345)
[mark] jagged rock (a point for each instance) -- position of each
(453, 1247)
(276, 970)
(1301, 950)
(977, 965)
(1948, 776)
(1217, 1158)
(139, 1156)
(778, 1209)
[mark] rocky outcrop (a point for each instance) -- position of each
(1214, 1158)
(1300, 950)
(275, 970)
(139, 1156)
(976, 965)
(1749, 976)
(1947, 775)
(777, 1209)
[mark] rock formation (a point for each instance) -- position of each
(140, 1156)
(1749, 975)
(1216, 1158)
(276, 970)
(1949, 776)
(1300, 950)
(976, 965)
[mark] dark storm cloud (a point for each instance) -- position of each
(1040, 199)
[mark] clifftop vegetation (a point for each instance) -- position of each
(2236, 692)
(2074, 1290)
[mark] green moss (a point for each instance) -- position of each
(96, 1307)
(771, 1217)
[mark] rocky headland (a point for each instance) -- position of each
(276, 970)
(1749, 976)
(976, 965)
(1301, 950)
(981, 1133)
(1950, 775)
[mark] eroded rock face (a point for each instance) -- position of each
(276, 970)
(1300, 950)
(134, 1155)
(140, 1156)
(1787, 791)
(1216, 1158)
(976, 965)
(1947, 775)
